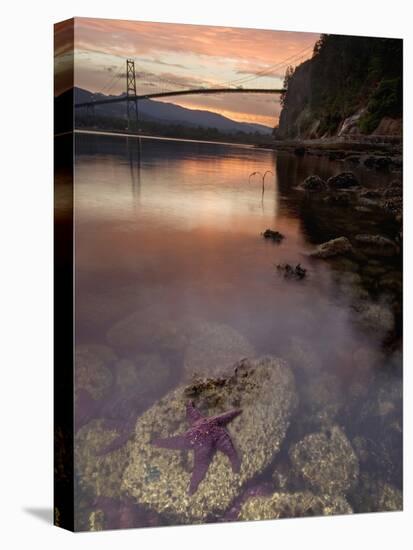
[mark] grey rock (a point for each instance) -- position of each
(159, 478)
(326, 461)
(332, 248)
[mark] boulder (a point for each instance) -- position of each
(313, 183)
(344, 180)
(215, 347)
(332, 248)
(92, 369)
(301, 355)
(376, 318)
(100, 475)
(321, 398)
(374, 495)
(377, 245)
(159, 478)
(153, 328)
(326, 461)
(145, 373)
(293, 505)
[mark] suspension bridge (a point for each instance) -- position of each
(162, 89)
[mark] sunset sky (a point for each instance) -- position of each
(189, 56)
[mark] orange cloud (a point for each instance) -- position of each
(191, 54)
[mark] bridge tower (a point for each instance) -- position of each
(132, 100)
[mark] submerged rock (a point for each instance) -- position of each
(372, 495)
(153, 328)
(377, 245)
(99, 474)
(332, 248)
(216, 347)
(344, 180)
(159, 478)
(301, 355)
(326, 461)
(321, 399)
(275, 236)
(313, 183)
(92, 369)
(145, 373)
(376, 318)
(293, 505)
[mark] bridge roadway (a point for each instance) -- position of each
(119, 99)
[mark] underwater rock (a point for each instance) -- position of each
(339, 199)
(275, 236)
(379, 163)
(326, 461)
(329, 249)
(145, 373)
(313, 183)
(293, 505)
(153, 328)
(370, 194)
(290, 272)
(375, 318)
(374, 495)
(98, 474)
(345, 180)
(377, 245)
(159, 478)
(216, 347)
(301, 355)
(321, 399)
(92, 369)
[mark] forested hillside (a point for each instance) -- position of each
(350, 85)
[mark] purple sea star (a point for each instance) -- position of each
(205, 436)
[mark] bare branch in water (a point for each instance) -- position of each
(262, 179)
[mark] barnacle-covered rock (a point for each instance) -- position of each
(322, 399)
(335, 247)
(326, 461)
(216, 347)
(145, 373)
(92, 369)
(292, 505)
(375, 495)
(98, 474)
(301, 355)
(159, 478)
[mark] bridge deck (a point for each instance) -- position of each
(183, 92)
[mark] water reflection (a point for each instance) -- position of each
(168, 242)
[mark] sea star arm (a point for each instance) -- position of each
(176, 442)
(225, 445)
(202, 458)
(192, 413)
(223, 419)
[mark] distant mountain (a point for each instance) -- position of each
(169, 113)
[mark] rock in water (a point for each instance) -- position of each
(377, 245)
(159, 478)
(101, 475)
(293, 505)
(216, 347)
(92, 369)
(326, 461)
(332, 248)
(345, 180)
(313, 183)
(275, 236)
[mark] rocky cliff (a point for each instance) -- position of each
(351, 85)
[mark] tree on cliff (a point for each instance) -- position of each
(345, 74)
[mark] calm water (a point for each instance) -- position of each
(173, 229)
